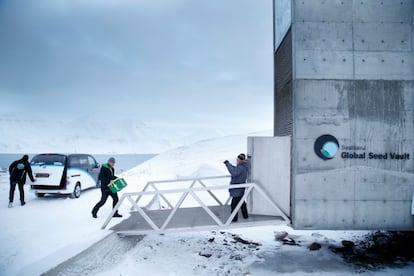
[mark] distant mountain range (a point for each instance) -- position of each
(20, 133)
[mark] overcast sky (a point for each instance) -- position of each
(206, 62)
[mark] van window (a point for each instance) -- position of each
(78, 161)
(92, 162)
(73, 162)
(83, 159)
(49, 159)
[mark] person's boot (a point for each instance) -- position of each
(244, 211)
(23, 203)
(94, 214)
(117, 215)
(10, 204)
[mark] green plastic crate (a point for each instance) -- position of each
(117, 185)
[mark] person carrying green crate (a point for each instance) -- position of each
(106, 175)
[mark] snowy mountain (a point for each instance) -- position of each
(23, 133)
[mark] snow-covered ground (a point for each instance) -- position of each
(44, 232)
(219, 253)
(47, 231)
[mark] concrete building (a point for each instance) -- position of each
(343, 152)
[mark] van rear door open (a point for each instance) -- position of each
(48, 169)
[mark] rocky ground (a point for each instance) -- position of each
(378, 250)
(263, 251)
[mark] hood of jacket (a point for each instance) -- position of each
(245, 164)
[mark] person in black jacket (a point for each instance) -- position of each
(18, 170)
(106, 175)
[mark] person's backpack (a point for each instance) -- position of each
(20, 166)
(18, 171)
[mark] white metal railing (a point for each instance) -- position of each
(201, 181)
(157, 193)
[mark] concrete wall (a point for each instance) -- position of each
(353, 78)
(345, 39)
(270, 160)
(341, 193)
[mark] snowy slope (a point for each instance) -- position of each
(204, 158)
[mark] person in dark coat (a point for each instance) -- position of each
(238, 176)
(106, 175)
(18, 171)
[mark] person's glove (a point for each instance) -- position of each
(225, 162)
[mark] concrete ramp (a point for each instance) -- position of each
(98, 258)
(190, 219)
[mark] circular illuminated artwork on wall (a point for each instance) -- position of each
(326, 146)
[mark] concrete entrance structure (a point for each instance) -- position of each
(343, 152)
(344, 93)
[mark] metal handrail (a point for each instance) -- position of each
(185, 192)
(189, 179)
(200, 180)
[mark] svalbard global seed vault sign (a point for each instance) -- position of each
(327, 147)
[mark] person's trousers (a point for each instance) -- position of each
(13, 188)
(234, 202)
(105, 195)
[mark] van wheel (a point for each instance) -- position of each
(39, 194)
(76, 192)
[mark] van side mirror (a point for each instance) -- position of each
(97, 165)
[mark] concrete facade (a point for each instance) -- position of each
(270, 160)
(352, 77)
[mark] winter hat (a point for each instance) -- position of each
(25, 157)
(242, 156)
(111, 160)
